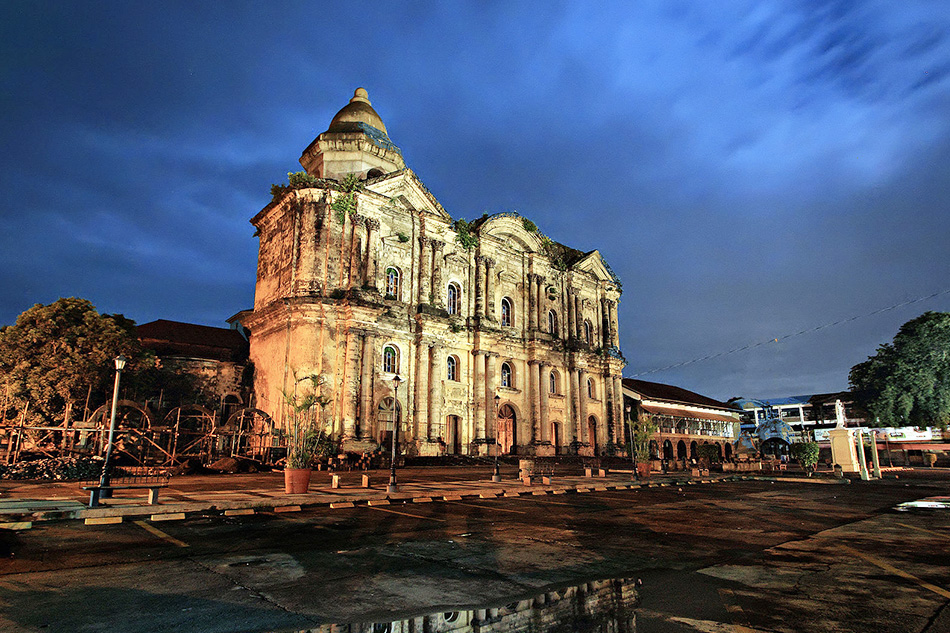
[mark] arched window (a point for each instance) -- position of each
(392, 283)
(552, 322)
(452, 368)
(391, 359)
(591, 393)
(507, 312)
(588, 332)
(553, 382)
(506, 375)
(454, 299)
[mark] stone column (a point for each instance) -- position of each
(369, 267)
(438, 290)
(425, 272)
(368, 360)
(421, 392)
(478, 380)
(544, 388)
(479, 286)
(618, 409)
(490, 385)
(534, 371)
(571, 327)
(614, 325)
(539, 305)
(532, 303)
(490, 290)
(353, 273)
(579, 316)
(574, 429)
(583, 400)
(436, 388)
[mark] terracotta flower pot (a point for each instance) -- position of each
(643, 469)
(296, 480)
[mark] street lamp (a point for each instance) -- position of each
(120, 361)
(393, 487)
(496, 476)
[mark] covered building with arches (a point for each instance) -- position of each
(503, 338)
(686, 420)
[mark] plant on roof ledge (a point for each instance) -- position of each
(465, 234)
(297, 179)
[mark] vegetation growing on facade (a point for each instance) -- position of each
(465, 234)
(346, 204)
(708, 453)
(529, 226)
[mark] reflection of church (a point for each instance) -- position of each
(602, 606)
(496, 331)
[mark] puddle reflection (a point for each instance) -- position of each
(601, 606)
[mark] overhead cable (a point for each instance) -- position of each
(788, 336)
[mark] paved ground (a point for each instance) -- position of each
(728, 556)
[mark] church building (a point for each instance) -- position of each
(474, 337)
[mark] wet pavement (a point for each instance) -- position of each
(751, 555)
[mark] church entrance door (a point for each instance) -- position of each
(506, 429)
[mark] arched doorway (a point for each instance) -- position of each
(654, 450)
(728, 450)
(667, 449)
(556, 437)
(592, 433)
(681, 450)
(388, 411)
(453, 432)
(692, 450)
(506, 424)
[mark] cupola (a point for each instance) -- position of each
(356, 142)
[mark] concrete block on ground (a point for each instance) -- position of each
(287, 509)
(342, 504)
(102, 520)
(238, 512)
(588, 472)
(170, 516)
(422, 499)
(453, 497)
(16, 525)
(366, 481)
(334, 481)
(378, 502)
(601, 472)
(546, 481)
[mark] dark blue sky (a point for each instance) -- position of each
(749, 169)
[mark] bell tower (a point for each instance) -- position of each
(355, 142)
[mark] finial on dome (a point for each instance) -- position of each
(361, 95)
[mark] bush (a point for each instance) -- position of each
(806, 453)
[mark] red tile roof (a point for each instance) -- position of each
(174, 338)
(659, 391)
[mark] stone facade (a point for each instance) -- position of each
(509, 344)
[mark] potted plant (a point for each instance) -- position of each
(643, 431)
(303, 438)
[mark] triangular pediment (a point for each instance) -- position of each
(405, 185)
(595, 264)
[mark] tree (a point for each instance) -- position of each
(61, 354)
(907, 382)
(806, 453)
(643, 431)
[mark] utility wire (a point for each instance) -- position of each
(788, 336)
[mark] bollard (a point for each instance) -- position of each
(546, 481)
(601, 472)
(588, 472)
(366, 481)
(335, 481)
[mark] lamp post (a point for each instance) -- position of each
(120, 362)
(496, 476)
(393, 486)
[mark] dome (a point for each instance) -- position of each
(358, 110)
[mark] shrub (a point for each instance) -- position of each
(806, 453)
